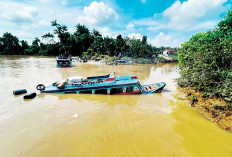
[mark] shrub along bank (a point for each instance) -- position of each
(206, 61)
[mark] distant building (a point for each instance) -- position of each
(169, 52)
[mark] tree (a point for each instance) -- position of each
(61, 31)
(120, 45)
(82, 39)
(10, 44)
(205, 61)
(49, 37)
(109, 46)
(96, 34)
(34, 48)
(81, 29)
(24, 45)
(144, 40)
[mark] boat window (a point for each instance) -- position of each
(150, 87)
(129, 89)
(86, 92)
(101, 91)
(116, 90)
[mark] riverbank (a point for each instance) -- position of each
(214, 109)
(155, 60)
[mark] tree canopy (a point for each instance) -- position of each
(206, 61)
(82, 40)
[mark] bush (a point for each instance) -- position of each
(205, 61)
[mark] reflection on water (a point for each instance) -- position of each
(107, 125)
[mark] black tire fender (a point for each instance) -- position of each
(29, 96)
(40, 87)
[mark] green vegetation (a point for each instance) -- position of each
(174, 57)
(206, 61)
(81, 43)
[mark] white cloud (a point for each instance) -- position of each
(42, 23)
(204, 25)
(135, 36)
(165, 40)
(21, 19)
(189, 13)
(62, 2)
(158, 27)
(98, 14)
(105, 31)
(130, 26)
(17, 12)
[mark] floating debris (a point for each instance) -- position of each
(75, 115)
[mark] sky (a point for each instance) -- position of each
(164, 22)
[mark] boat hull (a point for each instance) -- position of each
(116, 89)
(106, 84)
(61, 63)
(153, 88)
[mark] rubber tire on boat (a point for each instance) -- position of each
(20, 91)
(29, 96)
(40, 87)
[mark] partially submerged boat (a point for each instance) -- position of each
(106, 84)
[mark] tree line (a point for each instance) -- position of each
(206, 61)
(81, 42)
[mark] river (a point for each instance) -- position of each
(107, 125)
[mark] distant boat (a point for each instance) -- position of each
(76, 59)
(106, 84)
(85, 60)
(124, 61)
(121, 61)
(63, 62)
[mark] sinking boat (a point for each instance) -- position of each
(106, 84)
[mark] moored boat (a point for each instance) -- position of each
(123, 61)
(63, 62)
(106, 84)
(76, 59)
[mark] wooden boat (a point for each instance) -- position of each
(106, 84)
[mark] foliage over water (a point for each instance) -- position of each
(206, 61)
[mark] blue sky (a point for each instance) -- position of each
(165, 23)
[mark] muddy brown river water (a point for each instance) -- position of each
(107, 125)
